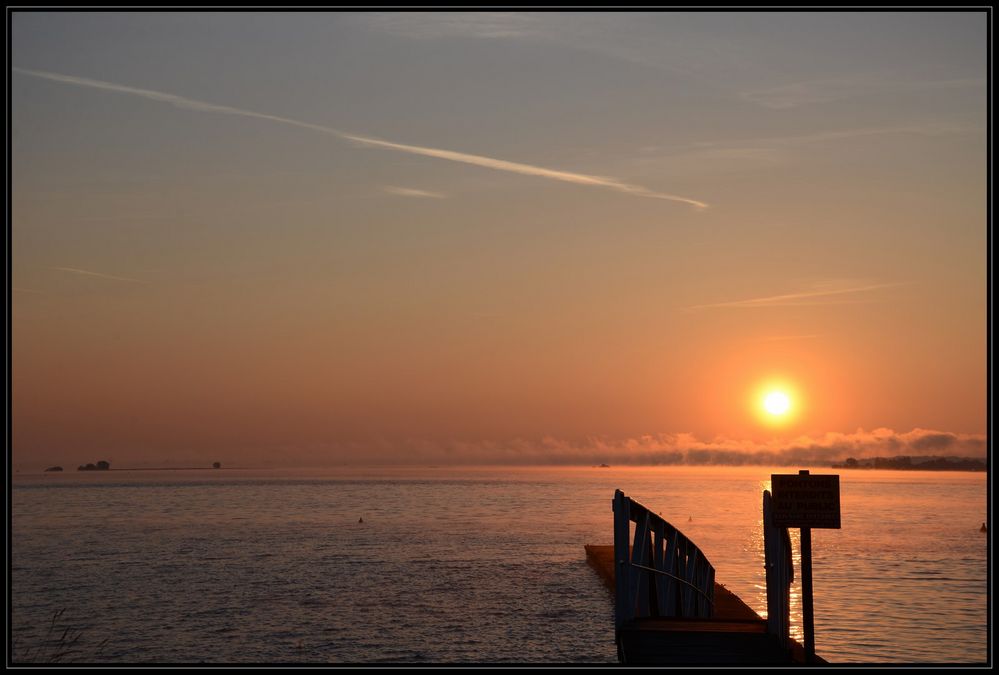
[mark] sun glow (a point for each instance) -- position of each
(776, 403)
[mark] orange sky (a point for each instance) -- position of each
(428, 241)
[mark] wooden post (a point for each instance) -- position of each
(639, 587)
(807, 600)
(777, 560)
(622, 571)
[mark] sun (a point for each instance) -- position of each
(777, 403)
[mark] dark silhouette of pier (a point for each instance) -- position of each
(669, 610)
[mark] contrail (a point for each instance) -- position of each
(88, 273)
(788, 337)
(412, 192)
(514, 167)
(449, 155)
(790, 298)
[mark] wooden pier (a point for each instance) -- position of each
(669, 610)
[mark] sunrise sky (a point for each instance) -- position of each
(512, 237)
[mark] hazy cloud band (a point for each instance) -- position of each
(88, 273)
(648, 450)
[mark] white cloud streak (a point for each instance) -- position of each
(88, 273)
(816, 297)
(919, 129)
(780, 338)
(413, 192)
(833, 89)
(626, 37)
(749, 154)
(449, 155)
(436, 25)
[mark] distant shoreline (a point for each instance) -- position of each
(151, 468)
(880, 464)
(909, 468)
(178, 468)
(907, 463)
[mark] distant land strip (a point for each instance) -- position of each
(178, 468)
(906, 463)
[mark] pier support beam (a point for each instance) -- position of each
(807, 599)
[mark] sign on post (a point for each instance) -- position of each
(805, 500)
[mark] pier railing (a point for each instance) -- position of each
(659, 572)
(780, 573)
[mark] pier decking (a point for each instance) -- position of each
(683, 641)
(669, 608)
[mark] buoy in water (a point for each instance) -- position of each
(360, 520)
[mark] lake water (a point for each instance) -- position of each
(469, 565)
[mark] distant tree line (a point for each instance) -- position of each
(100, 466)
(906, 463)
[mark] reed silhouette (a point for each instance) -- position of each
(60, 644)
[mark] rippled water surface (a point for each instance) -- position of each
(476, 565)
